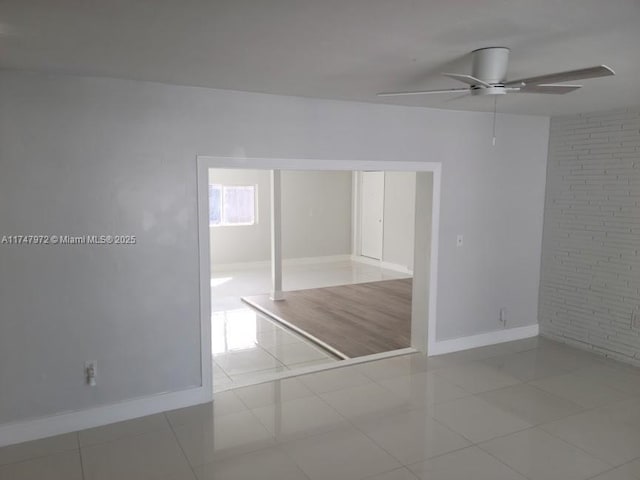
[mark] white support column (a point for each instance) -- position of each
(276, 236)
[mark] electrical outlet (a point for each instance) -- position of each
(91, 373)
(502, 317)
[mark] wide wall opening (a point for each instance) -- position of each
(310, 268)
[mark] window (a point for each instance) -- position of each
(232, 205)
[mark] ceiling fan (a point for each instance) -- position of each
(489, 77)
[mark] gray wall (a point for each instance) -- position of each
(590, 282)
(316, 214)
(104, 155)
(399, 218)
(316, 217)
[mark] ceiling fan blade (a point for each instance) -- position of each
(422, 92)
(552, 89)
(457, 97)
(580, 74)
(468, 79)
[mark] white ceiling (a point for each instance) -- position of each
(338, 49)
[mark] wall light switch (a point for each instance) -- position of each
(459, 241)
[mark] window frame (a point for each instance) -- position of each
(223, 223)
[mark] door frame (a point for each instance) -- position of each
(359, 219)
(205, 162)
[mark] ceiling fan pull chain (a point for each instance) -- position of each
(495, 104)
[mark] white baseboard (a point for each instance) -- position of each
(313, 260)
(37, 428)
(382, 264)
(483, 339)
(226, 267)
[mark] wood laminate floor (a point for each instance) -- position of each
(353, 320)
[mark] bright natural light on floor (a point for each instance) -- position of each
(216, 282)
(233, 330)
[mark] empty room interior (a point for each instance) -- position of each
(354, 240)
(345, 263)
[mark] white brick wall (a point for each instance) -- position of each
(590, 281)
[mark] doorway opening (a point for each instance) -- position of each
(348, 289)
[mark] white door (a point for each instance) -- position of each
(372, 211)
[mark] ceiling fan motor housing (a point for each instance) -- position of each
(490, 65)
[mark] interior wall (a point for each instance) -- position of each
(590, 286)
(99, 155)
(316, 217)
(316, 214)
(399, 218)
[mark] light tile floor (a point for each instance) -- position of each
(555, 414)
(249, 347)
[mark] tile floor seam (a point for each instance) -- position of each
(573, 444)
(518, 430)
(121, 437)
(286, 454)
(377, 445)
(271, 354)
(504, 463)
(363, 385)
(440, 454)
(403, 467)
(213, 401)
(263, 371)
(80, 456)
(124, 437)
(589, 455)
(459, 450)
(296, 437)
(581, 409)
(558, 397)
(632, 395)
(213, 359)
(615, 468)
(358, 430)
(603, 473)
(257, 347)
(184, 454)
(300, 337)
(471, 443)
(290, 374)
(38, 457)
(437, 373)
(476, 443)
(261, 423)
(224, 372)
